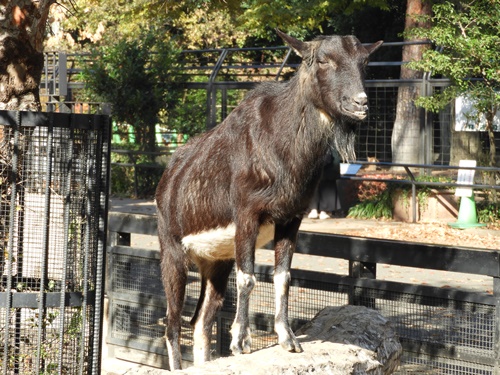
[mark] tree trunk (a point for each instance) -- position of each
(22, 26)
(22, 33)
(407, 131)
(490, 116)
(465, 145)
(492, 177)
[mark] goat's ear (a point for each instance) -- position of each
(375, 46)
(298, 46)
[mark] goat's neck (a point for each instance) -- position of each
(312, 128)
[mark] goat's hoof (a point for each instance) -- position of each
(291, 344)
(243, 347)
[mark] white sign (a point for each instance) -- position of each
(349, 169)
(465, 177)
(467, 118)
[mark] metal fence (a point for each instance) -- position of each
(54, 174)
(213, 82)
(443, 331)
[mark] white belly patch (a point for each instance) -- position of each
(219, 243)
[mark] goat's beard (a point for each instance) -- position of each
(343, 139)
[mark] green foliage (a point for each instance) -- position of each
(378, 207)
(136, 77)
(134, 174)
(207, 24)
(298, 18)
(468, 36)
(488, 213)
(376, 198)
(188, 114)
(99, 21)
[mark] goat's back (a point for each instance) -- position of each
(254, 163)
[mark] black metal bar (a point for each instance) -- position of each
(418, 255)
(496, 333)
(35, 295)
(89, 187)
(30, 300)
(430, 166)
(224, 104)
(413, 194)
(408, 254)
(45, 244)
(212, 91)
(362, 270)
(66, 235)
(422, 183)
(101, 205)
(282, 66)
(16, 123)
(132, 223)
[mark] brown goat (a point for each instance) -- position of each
(248, 181)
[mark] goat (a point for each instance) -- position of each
(248, 181)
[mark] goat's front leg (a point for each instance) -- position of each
(245, 240)
(284, 246)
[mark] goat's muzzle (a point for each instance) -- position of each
(356, 106)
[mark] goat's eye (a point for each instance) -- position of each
(327, 63)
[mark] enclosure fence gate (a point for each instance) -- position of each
(54, 172)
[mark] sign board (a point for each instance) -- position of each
(467, 118)
(465, 177)
(349, 169)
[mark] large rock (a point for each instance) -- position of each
(359, 326)
(339, 340)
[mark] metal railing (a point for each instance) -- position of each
(220, 73)
(414, 183)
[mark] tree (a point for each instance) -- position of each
(407, 130)
(468, 34)
(200, 24)
(22, 33)
(23, 30)
(136, 78)
(93, 22)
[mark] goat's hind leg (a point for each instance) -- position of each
(214, 275)
(284, 239)
(245, 240)
(174, 277)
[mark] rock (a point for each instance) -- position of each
(337, 341)
(358, 326)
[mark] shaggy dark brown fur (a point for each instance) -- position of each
(249, 180)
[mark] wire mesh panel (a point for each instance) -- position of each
(439, 335)
(53, 213)
(445, 336)
(138, 305)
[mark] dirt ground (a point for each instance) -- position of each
(434, 233)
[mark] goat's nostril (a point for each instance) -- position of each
(360, 99)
